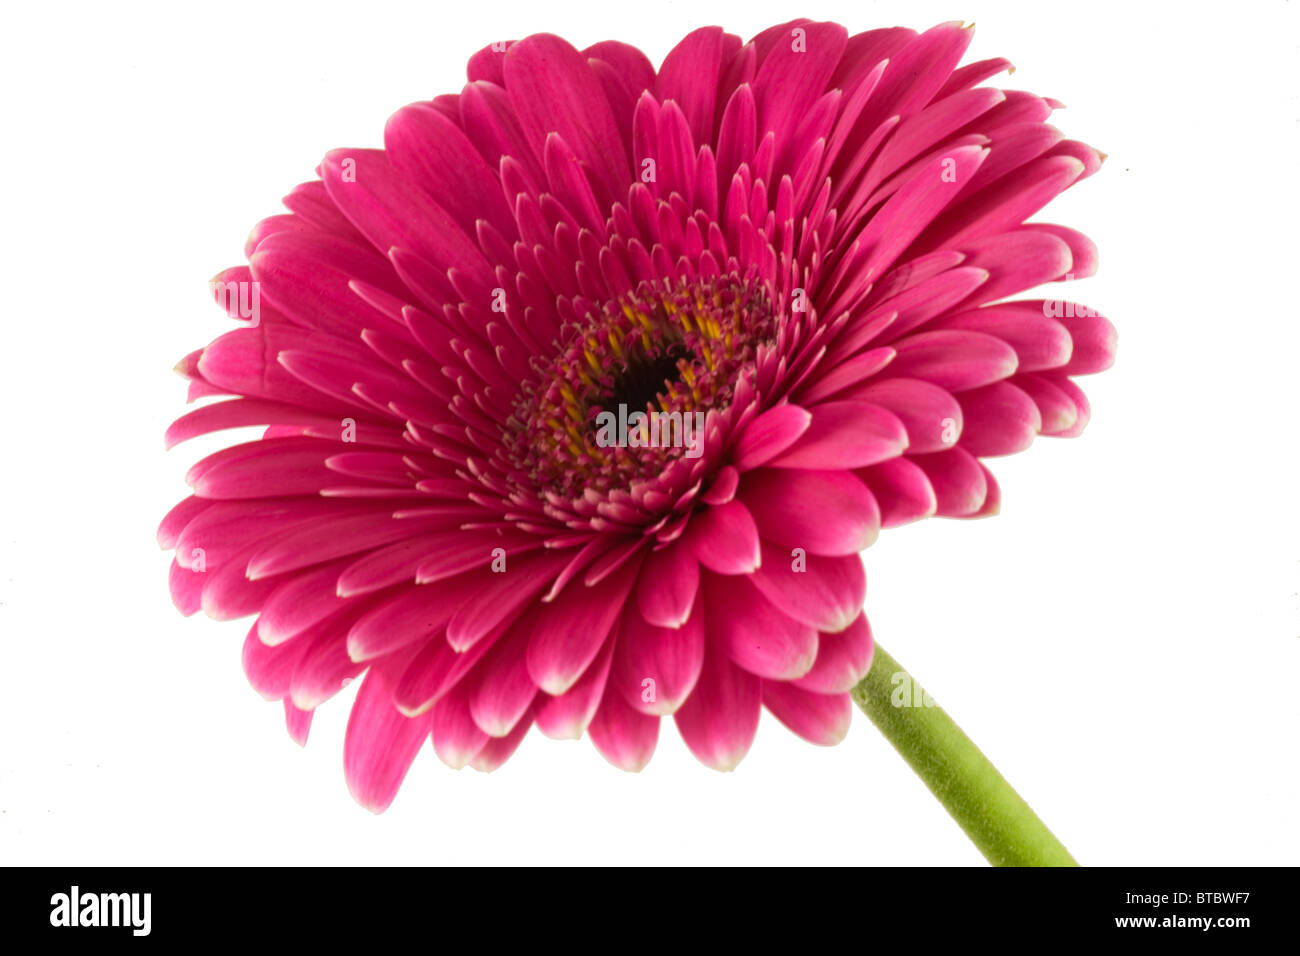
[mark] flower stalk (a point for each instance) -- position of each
(998, 821)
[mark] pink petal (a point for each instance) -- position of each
(1057, 410)
(655, 668)
(1094, 339)
(169, 530)
(723, 487)
(624, 736)
(503, 690)
(297, 722)
(380, 743)
(239, 413)
(845, 380)
(929, 413)
(310, 278)
(1083, 251)
(1000, 420)
(843, 659)
(434, 671)
(300, 602)
(500, 749)
(554, 90)
(486, 64)
(1016, 260)
(228, 593)
(383, 205)
(270, 669)
(827, 595)
(490, 598)
(186, 588)
(824, 512)
(719, 719)
(993, 500)
(818, 718)
(634, 68)
(754, 634)
(384, 567)
(266, 469)
(972, 74)
(737, 130)
(1039, 342)
(466, 550)
(667, 585)
(428, 149)
(689, 76)
(566, 717)
(902, 490)
(324, 667)
(245, 362)
(571, 630)
(909, 211)
(457, 739)
(958, 481)
(725, 539)
(929, 128)
(768, 435)
(953, 360)
(791, 79)
(917, 71)
(415, 614)
(845, 435)
(1005, 203)
(1082, 409)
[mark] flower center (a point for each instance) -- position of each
(639, 382)
(669, 351)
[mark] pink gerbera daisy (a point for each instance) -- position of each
(585, 392)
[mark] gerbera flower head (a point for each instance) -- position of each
(585, 392)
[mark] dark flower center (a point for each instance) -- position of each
(671, 352)
(645, 376)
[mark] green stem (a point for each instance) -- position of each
(998, 821)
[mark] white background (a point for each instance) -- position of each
(1122, 641)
